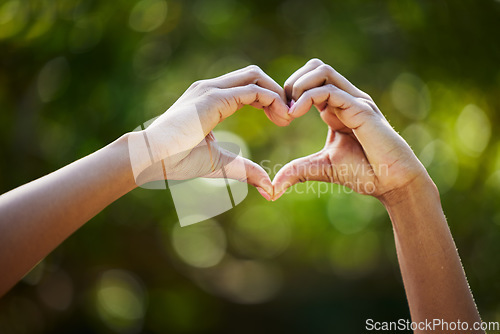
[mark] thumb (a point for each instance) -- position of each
(310, 168)
(257, 177)
(236, 167)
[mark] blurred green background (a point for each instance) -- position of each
(76, 74)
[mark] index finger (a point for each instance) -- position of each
(324, 75)
(308, 67)
(249, 75)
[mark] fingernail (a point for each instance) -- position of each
(264, 193)
(290, 107)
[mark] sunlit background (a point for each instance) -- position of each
(76, 74)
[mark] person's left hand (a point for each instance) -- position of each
(362, 150)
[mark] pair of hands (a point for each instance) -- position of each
(362, 150)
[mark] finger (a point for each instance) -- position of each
(236, 167)
(322, 75)
(310, 168)
(279, 120)
(257, 177)
(359, 115)
(249, 75)
(309, 66)
(208, 111)
(271, 102)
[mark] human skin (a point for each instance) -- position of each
(365, 153)
(36, 217)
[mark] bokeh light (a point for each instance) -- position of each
(12, 18)
(56, 290)
(418, 136)
(85, 35)
(411, 96)
(148, 15)
(355, 255)
(53, 79)
(261, 232)
(473, 129)
(121, 301)
(150, 59)
(77, 74)
(200, 245)
(350, 212)
(442, 164)
(242, 281)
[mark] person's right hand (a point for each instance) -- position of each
(362, 150)
(181, 144)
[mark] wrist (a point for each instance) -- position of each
(139, 152)
(415, 210)
(416, 193)
(117, 155)
(144, 167)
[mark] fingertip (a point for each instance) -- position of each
(264, 182)
(299, 108)
(285, 178)
(281, 122)
(280, 186)
(264, 194)
(291, 107)
(268, 188)
(278, 114)
(257, 176)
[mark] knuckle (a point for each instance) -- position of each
(369, 105)
(307, 95)
(214, 93)
(199, 84)
(331, 87)
(195, 84)
(272, 94)
(361, 112)
(315, 62)
(254, 70)
(367, 97)
(325, 69)
(253, 87)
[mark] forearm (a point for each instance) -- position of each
(434, 279)
(36, 217)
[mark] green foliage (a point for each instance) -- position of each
(76, 74)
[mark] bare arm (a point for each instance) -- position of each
(363, 152)
(434, 279)
(38, 216)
